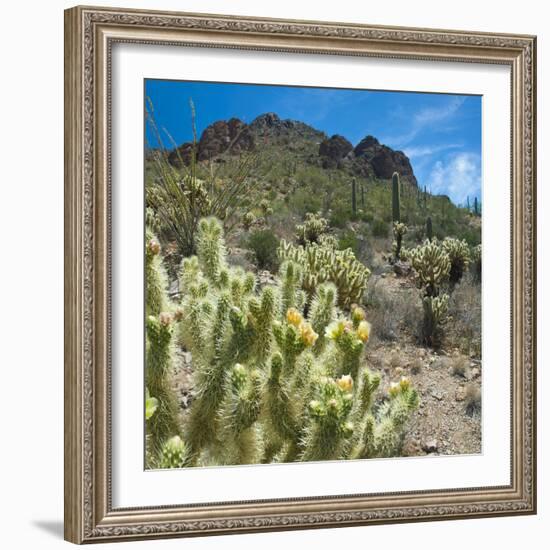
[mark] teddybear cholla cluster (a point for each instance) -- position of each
(279, 374)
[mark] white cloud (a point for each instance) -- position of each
(426, 150)
(458, 177)
(424, 118)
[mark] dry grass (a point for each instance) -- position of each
(460, 366)
(463, 330)
(391, 312)
(417, 365)
(472, 399)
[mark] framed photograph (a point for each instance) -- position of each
(300, 274)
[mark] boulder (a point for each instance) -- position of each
(333, 150)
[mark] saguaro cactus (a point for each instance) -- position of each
(362, 196)
(354, 196)
(396, 197)
(429, 229)
(476, 207)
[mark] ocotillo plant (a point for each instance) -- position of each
(354, 196)
(274, 381)
(396, 197)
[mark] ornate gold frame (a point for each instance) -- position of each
(89, 35)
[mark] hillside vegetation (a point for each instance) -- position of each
(314, 232)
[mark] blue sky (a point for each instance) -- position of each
(440, 133)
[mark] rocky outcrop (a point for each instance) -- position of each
(369, 159)
(333, 150)
(231, 137)
(270, 127)
(381, 161)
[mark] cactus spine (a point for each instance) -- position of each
(396, 197)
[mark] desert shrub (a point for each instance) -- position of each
(417, 365)
(303, 201)
(464, 326)
(390, 312)
(460, 366)
(472, 399)
(348, 239)
(380, 228)
(273, 382)
(339, 216)
(264, 245)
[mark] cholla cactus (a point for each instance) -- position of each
(311, 230)
(266, 209)
(459, 256)
(156, 280)
(330, 428)
(158, 378)
(248, 220)
(432, 264)
(241, 413)
(173, 453)
(275, 380)
(399, 230)
(476, 255)
(435, 311)
(323, 263)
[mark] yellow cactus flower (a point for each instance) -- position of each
(404, 383)
(358, 314)
(394, 389)
(294, 317)
(345, 383)
(307, 334)
(335, 330)
(363, 331)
